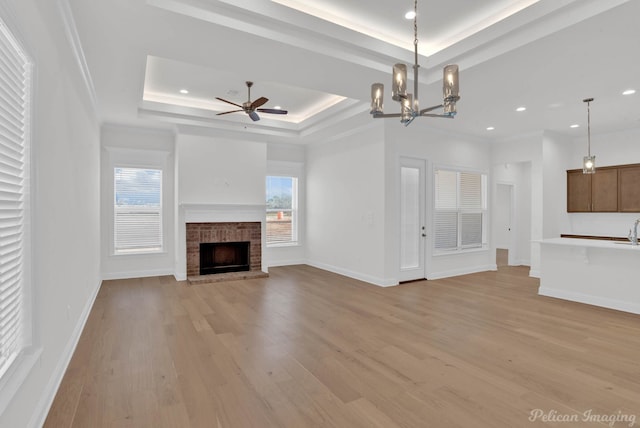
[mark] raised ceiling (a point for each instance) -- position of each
(318, 60)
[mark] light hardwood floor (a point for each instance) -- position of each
(308, 348)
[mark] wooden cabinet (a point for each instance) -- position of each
(610, 189)
(604, 190)
(629, 188)
(578, 192)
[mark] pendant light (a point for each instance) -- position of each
(588, 162)
(409, 103)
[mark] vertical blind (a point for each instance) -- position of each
(460, 205)
(137, 210)
(14, 86)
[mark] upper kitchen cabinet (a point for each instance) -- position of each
(598, 192)
(629, 188)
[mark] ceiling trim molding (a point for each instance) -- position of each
(71, 32)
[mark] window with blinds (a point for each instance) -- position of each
(14, 108)
(460, 210)
(137, 210)
(282, 210)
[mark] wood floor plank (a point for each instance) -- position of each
(310, 348)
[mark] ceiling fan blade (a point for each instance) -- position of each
(272, 111)
(229, 102)
(257, 103)
(254, 116)
(227, 112)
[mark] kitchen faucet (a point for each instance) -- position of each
(633, 237)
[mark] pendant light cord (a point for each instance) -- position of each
(589, 128)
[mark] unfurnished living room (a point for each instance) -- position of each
(329, 213)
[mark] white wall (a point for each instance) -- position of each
(617, 148)
(556, 155)
(145, 148)
(419, 140)
(65, 186)
(214, 171)
(346, 204)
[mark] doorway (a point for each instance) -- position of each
(413, 231)
(504, 236)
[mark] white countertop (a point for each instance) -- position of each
(594, 243)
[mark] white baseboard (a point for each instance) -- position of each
(534, 273)
(137, 274)
(462, 271)
(293, 262)
(41, 411)
(380, 282)
(619, 305)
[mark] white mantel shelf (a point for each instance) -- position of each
(596, 272)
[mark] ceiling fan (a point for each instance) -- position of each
(250, 107)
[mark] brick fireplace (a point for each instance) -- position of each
(223, 232)
(223, 223)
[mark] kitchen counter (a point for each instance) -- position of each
(601, 273)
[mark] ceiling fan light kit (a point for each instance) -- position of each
(409, 103)
(251, 107)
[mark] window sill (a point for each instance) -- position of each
(284, 244)
(16, 375)
(463, 251)
(140, 253)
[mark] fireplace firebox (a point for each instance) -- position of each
(222, 257)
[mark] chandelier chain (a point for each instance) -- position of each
(415, 23)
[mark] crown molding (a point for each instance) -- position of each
(73, 37)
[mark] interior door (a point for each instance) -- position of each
(413, 231)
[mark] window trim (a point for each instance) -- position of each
(294, 170)
(148, 250)
(23, 363)
(120, 157)
(294, 213)
(484, 246)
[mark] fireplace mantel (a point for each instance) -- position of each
(215, 213)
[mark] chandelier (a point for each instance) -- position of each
(409, 105)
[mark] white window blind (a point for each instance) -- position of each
(460, 210)
(282, 210)
(14, 90)
(137, 210)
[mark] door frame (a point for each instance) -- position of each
(420, 272)
(513, 232)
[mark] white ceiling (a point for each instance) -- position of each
(318, 59)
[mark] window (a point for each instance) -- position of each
(137, 210)
(282, 210)
(460, 210)
(15, 79)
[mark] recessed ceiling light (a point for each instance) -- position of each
(410, 15)
(629, 92)
(575, 125)
(184, 91)
(490, 128)
(521, 109)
